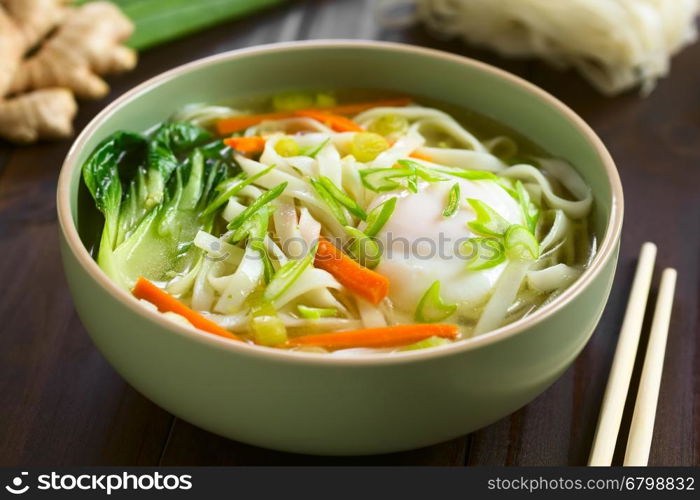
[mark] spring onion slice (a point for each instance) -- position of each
(521, 244)
(472, 175)
(307, 312)
(342, 198)
(385, 179)
(379, 216)
(427, 343)
(258, 244)
(364, 249)
(287, 275)
(530, 211)
(231, 187)
(333, 206)
(452, 201)
(485, 253)
(261, 201)
(253, 227)
(488, 222)
(312, 151)
(431, 307)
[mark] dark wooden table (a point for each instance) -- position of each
(62, 404)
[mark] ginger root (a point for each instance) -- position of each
(45, 113)
(11, 50)
(35, 18)
(70, 48)
(85, 45)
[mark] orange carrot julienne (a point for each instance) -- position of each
(227, 126)
(246, 145)
(366, 283)
(388, 336)
(421, 156)
(233, 124)
(165, 302)
(336, 122)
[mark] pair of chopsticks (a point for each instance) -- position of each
(642, 427)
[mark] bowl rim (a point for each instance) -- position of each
(606, 248)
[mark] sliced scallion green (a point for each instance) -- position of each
(333, 206)
(427, 343)
(485, 253)
(231, 187)
(530, 210)
(364, 249)
(488, 222)
(287, 275)
(521, 244)
(307, 312)
(342, 198)
(261, 201)
(379, 216)
(253, 227)
(313, 151)
(431, 307)
(452, 201)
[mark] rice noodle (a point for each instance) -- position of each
(615, 44)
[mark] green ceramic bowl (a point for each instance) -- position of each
(311, 403)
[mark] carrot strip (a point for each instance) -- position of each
(165, 302)
(246, 145)
(388, 336)
(336, 122)
(227, 126)
(421, 156)
(364, 282)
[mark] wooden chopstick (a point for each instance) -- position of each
(642, 427)
(623, 362)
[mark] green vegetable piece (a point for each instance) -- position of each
(286, 147)
(254, 227)
(268, 330)
(426, 344)
(363, 248)
(488, 222)
(521, 244)
(530, 210)
(387, 125)
(333, 206)
(472, 175)
(485, 253)
(342, 198)
(261, 201)
(287, 275)
(379, 216)
(452, 201)
(366, 146)
(431, 308)
(292, 100)
(316, 312)
(313, 151)
(231, 187)
(102, 175)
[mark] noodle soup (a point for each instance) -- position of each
(346, 222)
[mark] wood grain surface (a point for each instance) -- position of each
(62, 404)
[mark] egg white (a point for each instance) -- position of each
(421, 246)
